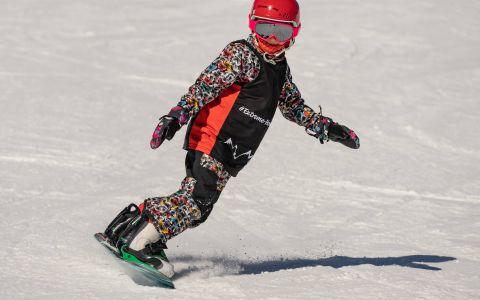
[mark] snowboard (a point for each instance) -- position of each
(142, 273)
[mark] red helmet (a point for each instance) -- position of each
(277, 10)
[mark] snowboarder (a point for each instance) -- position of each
(228, 111)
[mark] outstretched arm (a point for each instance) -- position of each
(233, 64)
(293, 108)
(292, 105)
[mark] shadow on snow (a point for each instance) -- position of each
(245, 268)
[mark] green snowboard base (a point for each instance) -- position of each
(140, 272)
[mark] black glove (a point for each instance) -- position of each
(324, 129)
(343, 135)
(167, 127)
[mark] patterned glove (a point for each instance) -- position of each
(318, 127)
(343, 135)
(168, 126)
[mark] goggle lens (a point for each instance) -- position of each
(282, 32)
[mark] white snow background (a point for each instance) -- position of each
(83, 83)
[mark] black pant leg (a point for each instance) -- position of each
(207, 190)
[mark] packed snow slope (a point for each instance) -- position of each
(83, 84)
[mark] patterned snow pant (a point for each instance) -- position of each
(191, 205)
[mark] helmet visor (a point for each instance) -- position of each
(283, 32)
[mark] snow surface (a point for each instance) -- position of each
(82, 86)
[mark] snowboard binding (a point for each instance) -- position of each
(120, 223)
(123, 232)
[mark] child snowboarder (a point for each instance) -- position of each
(229, 109)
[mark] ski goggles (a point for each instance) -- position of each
(265, 29)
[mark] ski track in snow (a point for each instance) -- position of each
(393, 192)
(166, 81)
(83, 84)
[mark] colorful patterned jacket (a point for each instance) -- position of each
(231, 104)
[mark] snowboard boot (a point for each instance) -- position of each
(134, 235)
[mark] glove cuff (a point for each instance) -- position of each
(178, 113)
(318, 127)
